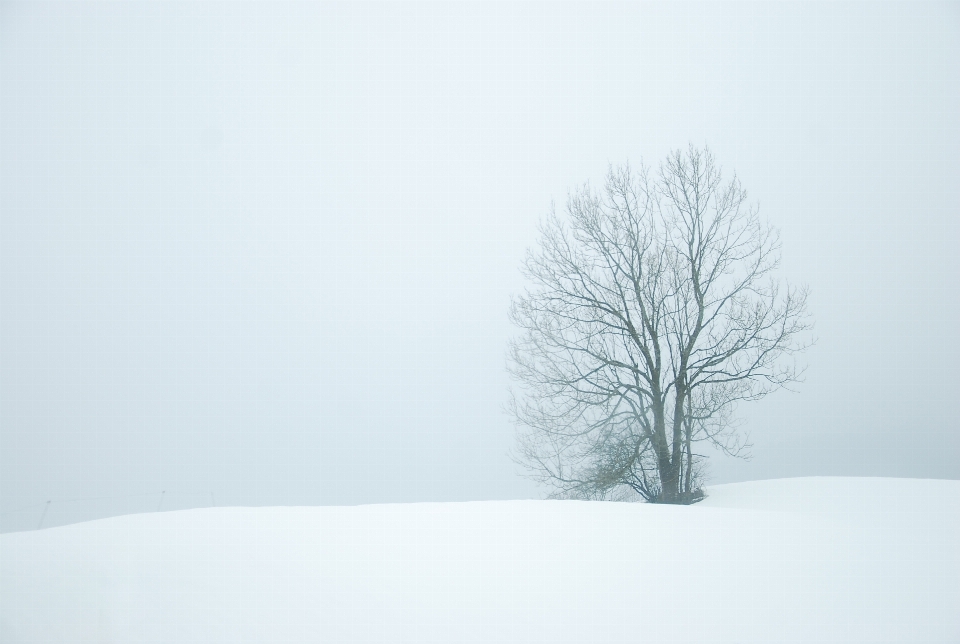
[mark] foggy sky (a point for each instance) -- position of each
(265, 251)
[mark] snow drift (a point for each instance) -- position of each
(794, 560)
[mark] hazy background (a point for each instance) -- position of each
(263, 253)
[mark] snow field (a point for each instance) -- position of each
(792, 560)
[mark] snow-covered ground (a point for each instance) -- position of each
(793, 560)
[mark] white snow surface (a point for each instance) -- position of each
(792, 560)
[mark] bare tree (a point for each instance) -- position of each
(653, 311)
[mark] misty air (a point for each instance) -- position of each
(479, 322)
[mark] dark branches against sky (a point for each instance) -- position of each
(653, 310)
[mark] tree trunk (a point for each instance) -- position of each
(687, 439)
(666, 466)
(670, 475)
(669, 483)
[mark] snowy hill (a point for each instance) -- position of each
(793, 560)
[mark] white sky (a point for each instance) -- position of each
(265, 251)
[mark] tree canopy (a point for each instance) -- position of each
(653, 309)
